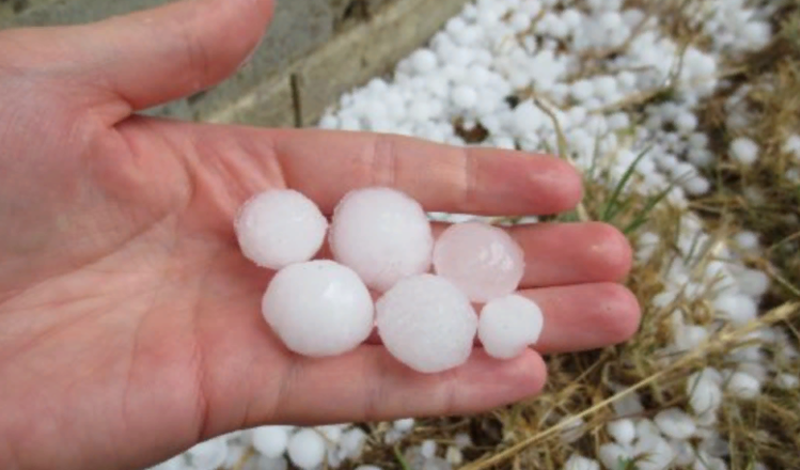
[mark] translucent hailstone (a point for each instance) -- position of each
(508, 325)
(579, 462)
(428, 448)
(482, 260)
(427, 323)
(683, 451)
(704, 391)
(744, 151)
(787, 381)
(743, 385)
(208, 455)
(319, 308)
(739, 309)
(382, 234)
(752, 282)
(747, 240)
(306, 449)
(623, 431)
(271, 440)
(614, 456)
(675, 423)
(280, 227)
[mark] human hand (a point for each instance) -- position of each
(129, 320)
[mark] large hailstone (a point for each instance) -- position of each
(383, 235)
(319, 308)
(482, 260)
(280, 227)
(508, 325)
(427, 323)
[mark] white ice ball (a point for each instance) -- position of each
(280, 227)
(675, 423)
(744, 150)
(208, 455)
(271, 440)
(508, 325)
(382, 234)
(622, 430)
(465, 97)
(704, 391)
(482, 260)
(579, 462)
(319, 308)
(306, 449)
(743, 385)
(427, 323)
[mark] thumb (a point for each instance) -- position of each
(155, 56)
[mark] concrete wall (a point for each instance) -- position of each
(314, 50)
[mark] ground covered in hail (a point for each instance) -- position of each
(684, 117)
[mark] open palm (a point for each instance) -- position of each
(129, 321)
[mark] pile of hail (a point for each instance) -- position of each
(383, 246)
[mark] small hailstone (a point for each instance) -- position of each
(697, 186)
(306, 449)
(752, 282)
(271, 440)
(280, 227)
(743, 386)
(686, 122)
(582, 90)
(689, 337)
(208, 455)
(404, 425)
(747, 240)
(424, 60)
(428, 448)
(508, 325)
(706, 462)
(319, 308)
(739, 309)
(792, 145)
(629, 404)
(382, 234)
(698, 140)
(622, 430)
(427, 323)
(579, 462)
(332, 432)
(465, 97)
(352, 442)
(618, 121)
(235, 453)
(657, 454)
(787, 381)
(675, 423)
(744, 151)
(614, 456)
(453, 456)
(704, 392)
(462, 440)
(573, 430)
(482, 260)
(683, 451)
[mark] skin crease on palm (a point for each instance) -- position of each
(129, 320)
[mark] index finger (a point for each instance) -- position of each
(325, 165)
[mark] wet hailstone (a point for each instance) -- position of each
(280, 227)
(482, 260)
(306, 449)
(319, 308)
(508, 325)
(382, 234)
(427, 323)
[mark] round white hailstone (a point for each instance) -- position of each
(704, 392)
(747, 240)
(697, 186)
(690, 336)
(424, 61)
(428, 448)
(453, 456)
(427, 323)
(613, 456)
(686, 122)
(664, 299)
(618, 121)
(658, 452)
(743, 386)
(520, 22)
(306, 449)
(683, 451)
(706, 462)
(465, 97)
(271, 440)
(382, 234)
(404, 425)
(508, 325)
(698, 140)
(352, 442)
(572, 17)
(700, 157)
(739, 309)
(623, 431)
(579, 462)
(482, 260)
(582, 90)
(753, 283)
(744, 151)
(462, 440)
(792, 145)
(604, 85)
(627, 80)
(787, 381)
(319, 308)
(208, 455)
(629, 404)
(280, 227)
(236, 451)
(675, 423)
(577, 115)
